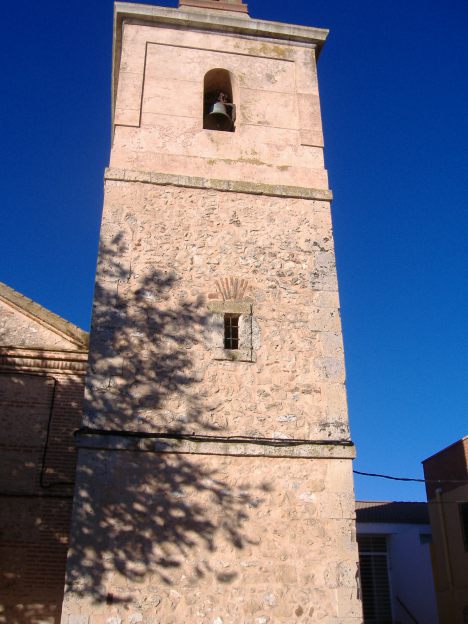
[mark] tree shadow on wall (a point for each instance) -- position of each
(38, 414)
(143, 518)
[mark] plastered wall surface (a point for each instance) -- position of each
(450, 556)
(159, 108)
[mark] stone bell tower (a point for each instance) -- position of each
(214, 480)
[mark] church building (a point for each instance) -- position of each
(42, 373)
(214, 476)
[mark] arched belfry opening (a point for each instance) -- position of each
(219, 110)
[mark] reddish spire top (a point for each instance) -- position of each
(223, 5)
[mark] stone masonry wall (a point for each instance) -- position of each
(153, 353)
(215, 487)
(197, 535)
(165, 539)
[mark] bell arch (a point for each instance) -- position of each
(219, 109)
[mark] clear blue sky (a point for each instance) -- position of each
(394, 89)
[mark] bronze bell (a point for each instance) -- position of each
(218, 118)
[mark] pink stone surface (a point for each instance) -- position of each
(278, 136)
(283, 248)
(192, 532)
(292, 557)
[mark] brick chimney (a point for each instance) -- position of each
(222, 5)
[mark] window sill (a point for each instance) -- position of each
(235, 355)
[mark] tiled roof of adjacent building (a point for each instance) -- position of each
(395, 512)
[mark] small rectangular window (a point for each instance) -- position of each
(375, 583)
(231, 331)
(463, 507)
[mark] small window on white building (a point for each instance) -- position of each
(373, 565)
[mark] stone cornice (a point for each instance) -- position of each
(217, 21)
(224, 5)
(234, 186)
(41, 360)
(205, 446)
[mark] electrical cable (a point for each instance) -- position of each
(27, 495)
(415, 480)
(207, 438)
(46, 444)
(42, 484)
(250, 440)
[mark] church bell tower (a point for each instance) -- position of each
(214, 481)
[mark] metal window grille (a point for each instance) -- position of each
(376, 599)
(231, 331)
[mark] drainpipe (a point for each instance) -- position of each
(448, 565)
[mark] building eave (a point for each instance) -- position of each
(448, 448)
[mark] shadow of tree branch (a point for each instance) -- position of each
(142, 515)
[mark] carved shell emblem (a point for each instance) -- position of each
(232, 288)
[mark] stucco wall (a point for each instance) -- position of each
(450, 555)
(410, 569)
(159, 108)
